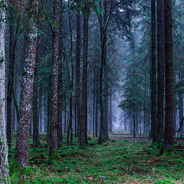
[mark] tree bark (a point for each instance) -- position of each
(168, 137)
(54, 93)
(22, 145)
(160, 66)
(10, 81)
(3, 144)
(77, 78)
(180, 110)
(35, 104)
(83, 131)
(153, 75)
(103, 77)
(60, 103)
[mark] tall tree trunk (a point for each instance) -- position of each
(153, 75)
(134, 123)
(180, 110)
(60, 104)
(94, 97)
(97, 92)
(22, 145)
(70, 77)
(54, 93)
(49, 109)
(110, 111)
(83, 127)
(160, 66)
(77, 78)
(10, 82)
(103, 76)
(168, 136)
(3, 145)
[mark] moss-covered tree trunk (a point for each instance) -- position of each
(22, 144)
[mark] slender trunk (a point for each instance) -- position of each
(77, 78)
(54, 93)
(180, 110)
(40, 106)
(83, 127)
(153, 75)
(60, 104)
(134, 124)
(22, 144)
(110, 128)
(35, 105)
(160, 66)
(168, 137)
(65, 124)
(10, 81)
(96, 120)
(70, 77)
(103, 76)
(94, 96)
(3, 144)
(49, 110)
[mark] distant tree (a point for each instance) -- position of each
(3, 141)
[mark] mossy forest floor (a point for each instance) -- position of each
(119, 160)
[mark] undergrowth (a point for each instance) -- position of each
(117, 161)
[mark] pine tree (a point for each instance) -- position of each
(22, 144)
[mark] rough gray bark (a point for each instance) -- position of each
(3, 144)
(54, 93)
(22, 144)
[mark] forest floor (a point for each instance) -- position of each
(120, 160)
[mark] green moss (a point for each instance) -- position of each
(1, 142)
(119, 161)
(54, 158)
(166, 181)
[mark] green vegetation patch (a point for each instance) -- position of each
(118, 161)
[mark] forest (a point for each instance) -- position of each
(91, 91)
